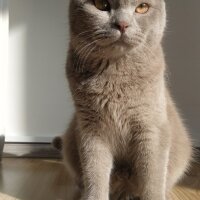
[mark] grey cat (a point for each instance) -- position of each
(126, 139)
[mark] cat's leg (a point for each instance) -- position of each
(179, 161)
(151, 164)
(175, 173)
(96, 162)
(70, 150)
(71, 160)
(181, 151)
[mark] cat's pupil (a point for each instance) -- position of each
(143, 5)
(102, 5)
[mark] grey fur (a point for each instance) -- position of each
(126, 138)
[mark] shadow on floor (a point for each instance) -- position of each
(192, 177)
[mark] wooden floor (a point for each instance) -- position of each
(40, 179)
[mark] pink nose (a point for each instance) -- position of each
(122, 26)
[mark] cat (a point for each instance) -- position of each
(126, 139)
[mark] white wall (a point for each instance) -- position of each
(38, 103)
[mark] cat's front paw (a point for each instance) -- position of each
(126, 196)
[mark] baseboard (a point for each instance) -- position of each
(30, 150)
(12, 138)
(43, 150)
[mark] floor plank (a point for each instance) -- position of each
(42, 179)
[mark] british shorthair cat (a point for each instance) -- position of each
(126, 140)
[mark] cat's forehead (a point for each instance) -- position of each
(127, 2)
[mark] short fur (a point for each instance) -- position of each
(126, 138)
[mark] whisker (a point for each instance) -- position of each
(85, 46)
(84, 32)
(84, 54)
(82, 44)
(85, 59)
(94, 31)
(145, 45)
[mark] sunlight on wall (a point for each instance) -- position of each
(11, 78)
(15, 82)
(3, 60)
(38, 105)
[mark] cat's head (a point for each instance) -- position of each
(111, 28)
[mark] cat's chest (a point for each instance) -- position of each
(115, 90)
(116, 87)
(116, 97)
(121, 98)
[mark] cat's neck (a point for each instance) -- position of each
(143, 61)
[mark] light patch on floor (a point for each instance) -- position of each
(43, 179)
(7, 197)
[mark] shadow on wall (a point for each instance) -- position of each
(182, 47)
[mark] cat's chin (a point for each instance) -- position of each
(117, 45)
(118, 49)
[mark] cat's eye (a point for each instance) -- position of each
(102, 5)
(142, 8)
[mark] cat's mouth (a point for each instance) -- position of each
(124, 40)
(124, 43)
(121, 43)
(121, 40)
(117, 44)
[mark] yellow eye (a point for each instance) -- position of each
(102, 5)
(142, 8)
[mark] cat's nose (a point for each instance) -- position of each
(122, 26)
